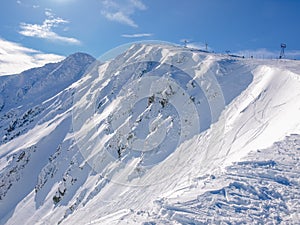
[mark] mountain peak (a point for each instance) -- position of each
(79, 58)
(80, 55)
(43, 82)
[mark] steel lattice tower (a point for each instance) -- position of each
(282, 55)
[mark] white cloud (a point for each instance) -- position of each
(21, 3)
(199, 45)
(138, 4)
(45, 31)
(293, 54)
(120, 17)
(264, 53)
(121, 11)
(258, 53)
(15, 58)
(196, 45)
(136, 35)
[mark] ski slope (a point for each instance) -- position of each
(158, 135)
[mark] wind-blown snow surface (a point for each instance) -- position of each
(159, 135)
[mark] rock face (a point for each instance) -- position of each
(158, 135)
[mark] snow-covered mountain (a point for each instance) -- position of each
(159, 135)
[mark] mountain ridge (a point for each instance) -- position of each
(143, 131)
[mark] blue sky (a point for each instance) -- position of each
(62, 27)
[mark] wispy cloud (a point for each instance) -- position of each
(120, 17)
(196, 45)
(44, 31)
(15, 58)
(121, 11)
(199, 45)
(136, 35)
(265, 53)
(21, 3)
(295, 54)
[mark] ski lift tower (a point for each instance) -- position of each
(185, 43)
(282, 55)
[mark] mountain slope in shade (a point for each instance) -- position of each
(23, 96)
(28, 100)
(159, 135)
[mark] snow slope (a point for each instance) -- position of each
(159, 135)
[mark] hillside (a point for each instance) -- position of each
(159, 135)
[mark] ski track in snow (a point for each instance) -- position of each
(264, 187)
